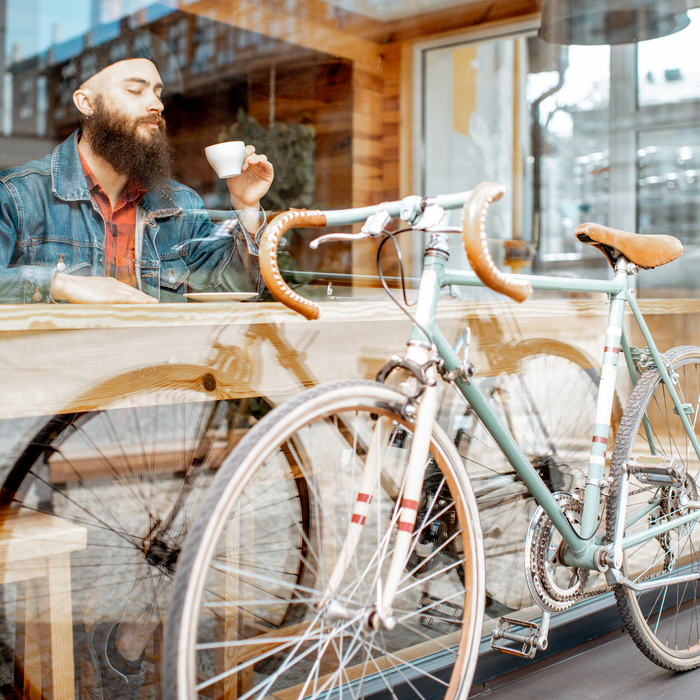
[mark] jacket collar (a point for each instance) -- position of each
(68, 181)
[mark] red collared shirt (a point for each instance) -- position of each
(120, 226)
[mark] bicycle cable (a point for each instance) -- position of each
(392, 236)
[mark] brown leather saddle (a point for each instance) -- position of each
(641, 249)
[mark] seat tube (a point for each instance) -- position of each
(606, 396)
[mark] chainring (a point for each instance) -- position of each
(541, 565)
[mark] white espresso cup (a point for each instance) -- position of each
(226, 158)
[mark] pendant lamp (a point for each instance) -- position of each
(590, 22)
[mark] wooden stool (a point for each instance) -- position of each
(33, 546)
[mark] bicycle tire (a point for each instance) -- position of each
(115, 473)
(661, 621)
(439, 611)
(541, 386)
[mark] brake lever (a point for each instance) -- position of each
(372, 228)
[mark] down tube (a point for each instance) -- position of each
(510, 448)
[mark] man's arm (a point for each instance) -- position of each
(96, 290)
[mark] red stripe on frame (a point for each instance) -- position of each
(409, 504)
(364, 497)
(359, 519)
(611, 348)
(602, 440)
(406, 527)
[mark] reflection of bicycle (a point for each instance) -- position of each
(553, 430)
(375, 582)
(126, 480)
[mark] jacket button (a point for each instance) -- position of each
(37, 295)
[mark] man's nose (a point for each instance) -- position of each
(155, 104)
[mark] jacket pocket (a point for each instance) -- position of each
(173, 273)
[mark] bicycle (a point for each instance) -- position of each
(388, 593)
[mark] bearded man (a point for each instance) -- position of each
(101, 220)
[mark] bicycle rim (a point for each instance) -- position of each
(220, 639)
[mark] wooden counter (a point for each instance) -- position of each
(61, 358)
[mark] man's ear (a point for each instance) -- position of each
(83, 100)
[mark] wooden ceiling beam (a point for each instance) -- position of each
(297, 28)
(347, 31)
(460, 18)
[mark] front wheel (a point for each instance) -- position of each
(223, 636)
(664, 621)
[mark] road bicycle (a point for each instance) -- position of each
(374, 581)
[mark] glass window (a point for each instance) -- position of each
(470, 126)
(534, 117)
(668, 195)
(570, 161)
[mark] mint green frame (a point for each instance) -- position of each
(580, 551)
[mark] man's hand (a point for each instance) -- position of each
(96, 290)
(248, 188)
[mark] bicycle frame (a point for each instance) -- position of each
(581, 548)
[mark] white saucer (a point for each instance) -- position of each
(220, 296)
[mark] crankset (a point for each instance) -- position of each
(553, 585)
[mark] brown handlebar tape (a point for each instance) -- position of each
(268, 259)
(474, 235)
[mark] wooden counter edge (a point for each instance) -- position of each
(35, 317)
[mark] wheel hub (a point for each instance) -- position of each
(369, 618)
(160, 555)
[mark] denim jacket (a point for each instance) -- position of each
(49, 223)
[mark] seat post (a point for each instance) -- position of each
(624, 267)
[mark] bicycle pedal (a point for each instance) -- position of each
(532, 637)
(656, 470)
(444, 617)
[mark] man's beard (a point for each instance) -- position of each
(116, 138)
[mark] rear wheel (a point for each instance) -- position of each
(663, 622)
(220, 638)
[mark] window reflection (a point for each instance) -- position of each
(534, 116)
(664, 73)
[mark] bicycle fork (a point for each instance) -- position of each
(406, 513)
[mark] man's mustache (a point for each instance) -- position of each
(151, 119)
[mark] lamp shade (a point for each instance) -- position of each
(590, 22)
